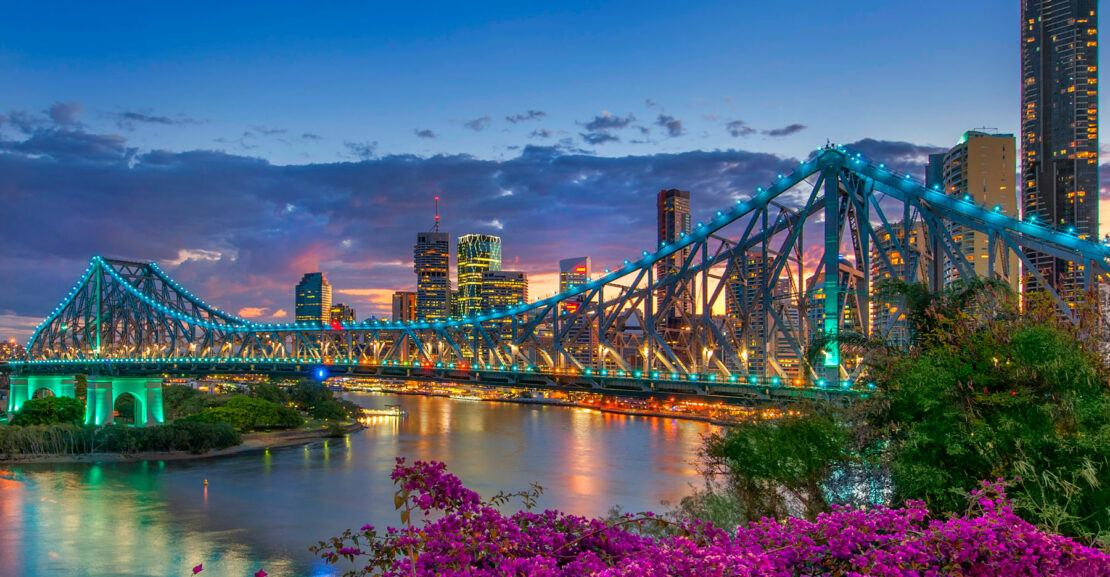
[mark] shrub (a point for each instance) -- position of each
(50, 410)
(463, 535)
(249, 413)
(67, 439)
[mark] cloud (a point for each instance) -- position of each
(424, 133)
(71, 144)
(267, 130)
(478, 124)
(66, 113)
(606, 121)
(24, 121)
(523, 117)
(785, 130)
(739, 128)
(671, 124)
(541, 133)
(905, 157)
(596, 138)
(252, 312)
(128, 119)
(311, 136)
(280, 314)
(650, 103)
(240, 232)
(362, 150)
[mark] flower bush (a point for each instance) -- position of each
(460, 534)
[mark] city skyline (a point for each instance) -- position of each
(201, 212)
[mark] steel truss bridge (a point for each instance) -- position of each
(730, 309)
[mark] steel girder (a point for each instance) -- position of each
(765, 288)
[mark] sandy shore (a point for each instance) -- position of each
(252, 442)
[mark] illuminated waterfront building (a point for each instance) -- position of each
(405, 306)
(313, 299)
(981, 168)
(503, 289)
(1059, 130)
(342, 313)
(11, 350)
(476, 254)
(751, 306)
(431, 257)
(673, 221)
(573, 272)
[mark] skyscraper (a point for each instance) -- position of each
(502, 289)
(477, 253)
(1059, 128)
(573, 272)
(582, 337)
(430, 261)
(313, 299)
(405, 306)
(981, 166)
(342, 313)
(673, 209)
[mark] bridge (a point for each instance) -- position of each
(743, 307)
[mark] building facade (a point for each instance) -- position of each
(1059, 129)
(406, 306)
(502, 289)
(313, 303)
(476, 254)
(901, 257)
(673, 220)
(981, 168)
(342, 313)
(431, 262)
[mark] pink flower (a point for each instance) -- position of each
(260, 573)
(198, 568)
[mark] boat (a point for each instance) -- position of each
(467, 398)
(388, 411)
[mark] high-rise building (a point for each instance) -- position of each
(981, 167)
(456, 304)
(934, 171)
(313, 299)
(342, 313)
(406, 306)
(431, 257)
(581, 338)
(476, 254)
(573, 272)
(1059, 129)
(502, 289)
(896, 256)
(765, 348)
(673, 220)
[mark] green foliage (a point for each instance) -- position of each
(80, 387)
(50, 410)
(336, 430)
(249, 413)
(271, 393)
(319, 402)
(125, 409)
(773, 468)
(175, 398)
(68, 439)
(990, 393)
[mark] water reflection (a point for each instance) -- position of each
(263, 510)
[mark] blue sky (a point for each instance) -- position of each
(244, 145)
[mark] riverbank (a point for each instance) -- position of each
(252, 442)
(631, 412)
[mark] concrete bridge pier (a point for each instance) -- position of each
(23, 389)
(103, 392)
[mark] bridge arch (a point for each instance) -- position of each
(654, 324)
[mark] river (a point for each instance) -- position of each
(263, 510)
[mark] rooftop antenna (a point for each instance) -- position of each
(436, 228)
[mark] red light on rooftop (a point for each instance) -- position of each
(336, 325)
(581, 269)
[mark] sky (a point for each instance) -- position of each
(241, 146)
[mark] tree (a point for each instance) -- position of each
(248, 413)
(80, 387)
(773, 468)
(271, 393)
(990, 392)
(50, 410)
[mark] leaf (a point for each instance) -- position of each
(398, 500)
(405, 517)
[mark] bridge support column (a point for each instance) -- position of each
(99, 401)
(24, 388)
(17, 395)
